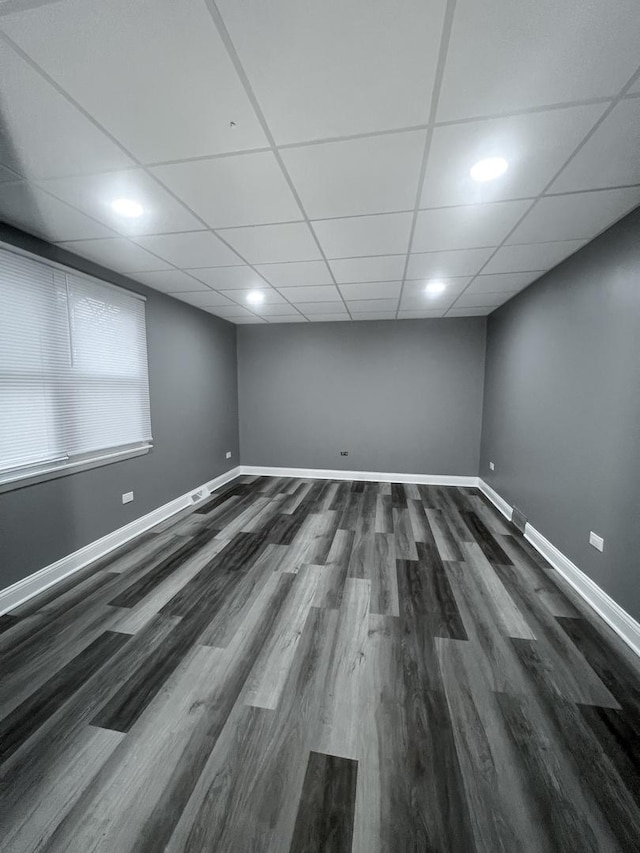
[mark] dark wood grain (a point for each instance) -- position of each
(341, 666)
(21, 723)
(324, 823)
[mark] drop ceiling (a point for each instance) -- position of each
(320, 151)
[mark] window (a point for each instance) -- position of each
(74, 385)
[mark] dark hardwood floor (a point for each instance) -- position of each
(302, 665)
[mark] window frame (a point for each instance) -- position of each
(27, 475)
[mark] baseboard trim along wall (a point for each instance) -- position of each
(363, 476)
(41, 580)
(36, 583)
(622, 623)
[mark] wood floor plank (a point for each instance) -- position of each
(384, 514)
(426, 682)
(21, 723)
(403, 533)
(499, 808)
(580, 683)
(425, 594)
(384, 576)
(232, 666)
(239, 804)
(172, 560)
(483, 579)
(565, 815)
(338, 733)
(443, 535)
(34, 817)
(616, 668)
(326, 810)
(270, 672)
(598, 774)
(485, 540)
(332, 580)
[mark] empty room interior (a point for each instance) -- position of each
(319, 426)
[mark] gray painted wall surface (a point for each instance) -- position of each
(194, 418)
(402, 397)
(562, 407)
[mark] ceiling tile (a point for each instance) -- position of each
(536, 146)
(379, 315)
(372, 305)
(119, 254)
(27, 207)
(169, 281)
(43, 134)
(610, 157)
(296, 274)
(481, 300)
(503, 282)
(371, 290)
(229, 278)
(190, 249)
(230, 312)
(470, 312)
(505, 56)
(329, 318)
(447, 264)
(574, 217)
(382, 268)
(454, 286)
(364, 235)
(357, 176)
(312, 308)
(425, 302)
(531, 256)
(204, 298)
(264, 244)
(420, 315)
(248, 189)
(468, 227)
(155, 75)
(314, 293)
(270, 295)
(279, 310)
(326, 68)
(94, 194)
(248, 321)
(287, 319)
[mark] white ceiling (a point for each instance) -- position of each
(320, 151)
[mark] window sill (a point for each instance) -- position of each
(19, 481)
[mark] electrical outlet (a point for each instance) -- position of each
(228, 454)
(492, 467)
(596, 541)
(127, 497)
(344, 453)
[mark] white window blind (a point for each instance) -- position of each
(73, 367)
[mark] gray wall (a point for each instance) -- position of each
(194, 418)
(402, 397)
(562, 407)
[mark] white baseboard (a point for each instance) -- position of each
(366, 476)
(622, 623)
(496, 500)
(36, 583)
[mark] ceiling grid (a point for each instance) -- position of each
(284, 148)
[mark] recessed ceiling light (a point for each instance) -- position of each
(127, 207)
(434, 288)
(487, 170)
(255, 297)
